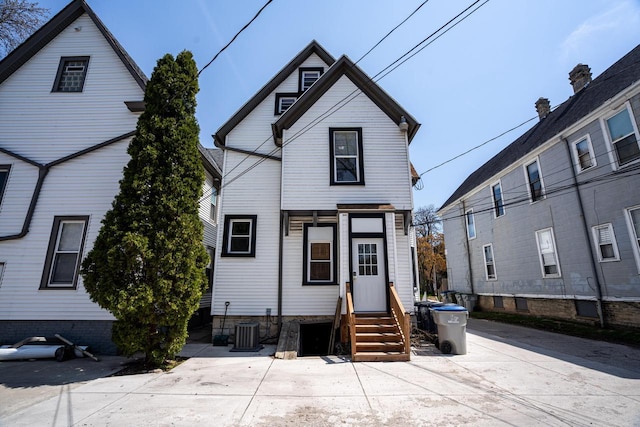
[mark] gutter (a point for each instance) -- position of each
(586, 232)
(43, 170)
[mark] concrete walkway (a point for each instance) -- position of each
(510, 376)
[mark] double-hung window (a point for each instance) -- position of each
(319, 254)
(307, 77)
(633, 221)
(71, 74)
(214, 204)
(239, 238)
(489, 266)
(583, 152)
(547, 252)
(498, 204)
(346, 156)
(623, 136)
(605, 242)
(4, 177)
(284, 101)
(534, 181)
(65, 252)
(471, 224)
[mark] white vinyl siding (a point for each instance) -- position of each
(547, 253)
(605, 241)
(385, 156)
(33, 117)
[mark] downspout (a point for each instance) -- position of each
(466, 245)
(599, 306)
(280, 267)
(42, 173)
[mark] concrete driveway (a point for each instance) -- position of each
(510, 376)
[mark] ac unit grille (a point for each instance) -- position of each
(247, 337)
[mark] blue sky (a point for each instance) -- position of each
(472, 84)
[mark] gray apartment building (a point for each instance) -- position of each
(550, 226)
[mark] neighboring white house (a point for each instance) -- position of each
(316, 200)
(70, 97)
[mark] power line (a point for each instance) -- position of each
(234, 37)
(328, 113)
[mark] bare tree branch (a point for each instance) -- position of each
(18, 20)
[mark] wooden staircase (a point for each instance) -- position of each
(379, 337)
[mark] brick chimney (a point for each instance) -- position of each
(543, 107)
(579, 77)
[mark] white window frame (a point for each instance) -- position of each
(493, 198)
(635, 238)
(613, 156)
(576, 156)
(487, 263)
(527, 180)
(554, 251)
(598, 244)
(213, 208)
(59, 223)
(469, 214)
(303, 75)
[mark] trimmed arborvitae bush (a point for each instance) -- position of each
(147, 263)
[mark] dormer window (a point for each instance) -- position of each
(71, 74)
(308, 76)
(284, 101)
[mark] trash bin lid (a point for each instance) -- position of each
(428, 304)
(449, 307)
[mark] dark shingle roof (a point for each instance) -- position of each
(52, 28)
(615, 79)
(211, 159)
(344, 67)
(313, 47)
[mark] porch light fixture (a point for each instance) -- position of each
(403, 125)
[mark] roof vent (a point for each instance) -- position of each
(580, 77)
(543, 107)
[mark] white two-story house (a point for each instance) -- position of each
(316, 205)
(70, 97)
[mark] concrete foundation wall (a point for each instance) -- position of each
(616, 313)
(268, 326)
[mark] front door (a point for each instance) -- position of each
(369, 287)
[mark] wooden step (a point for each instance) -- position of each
(381, 357)
(379, 346)
(371, 320)
(378, 337)
(376, 329)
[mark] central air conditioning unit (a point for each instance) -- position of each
(247, 337)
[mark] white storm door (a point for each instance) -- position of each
(369, 290)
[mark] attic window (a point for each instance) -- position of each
(308, 76)
(284, 101)
(71, 74)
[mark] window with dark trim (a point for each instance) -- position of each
(319, 254)
(239, 238)
(284, 101)
(71, 74)
(534, 181)
(345, 149)
(4, 177)
(64, 254)
(308, 76)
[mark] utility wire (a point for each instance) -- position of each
(234, 37)
(329, 112)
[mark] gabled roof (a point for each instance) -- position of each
(621, 75)
(55, 26)
(344, 67)
(313, 47)
(212, 160)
